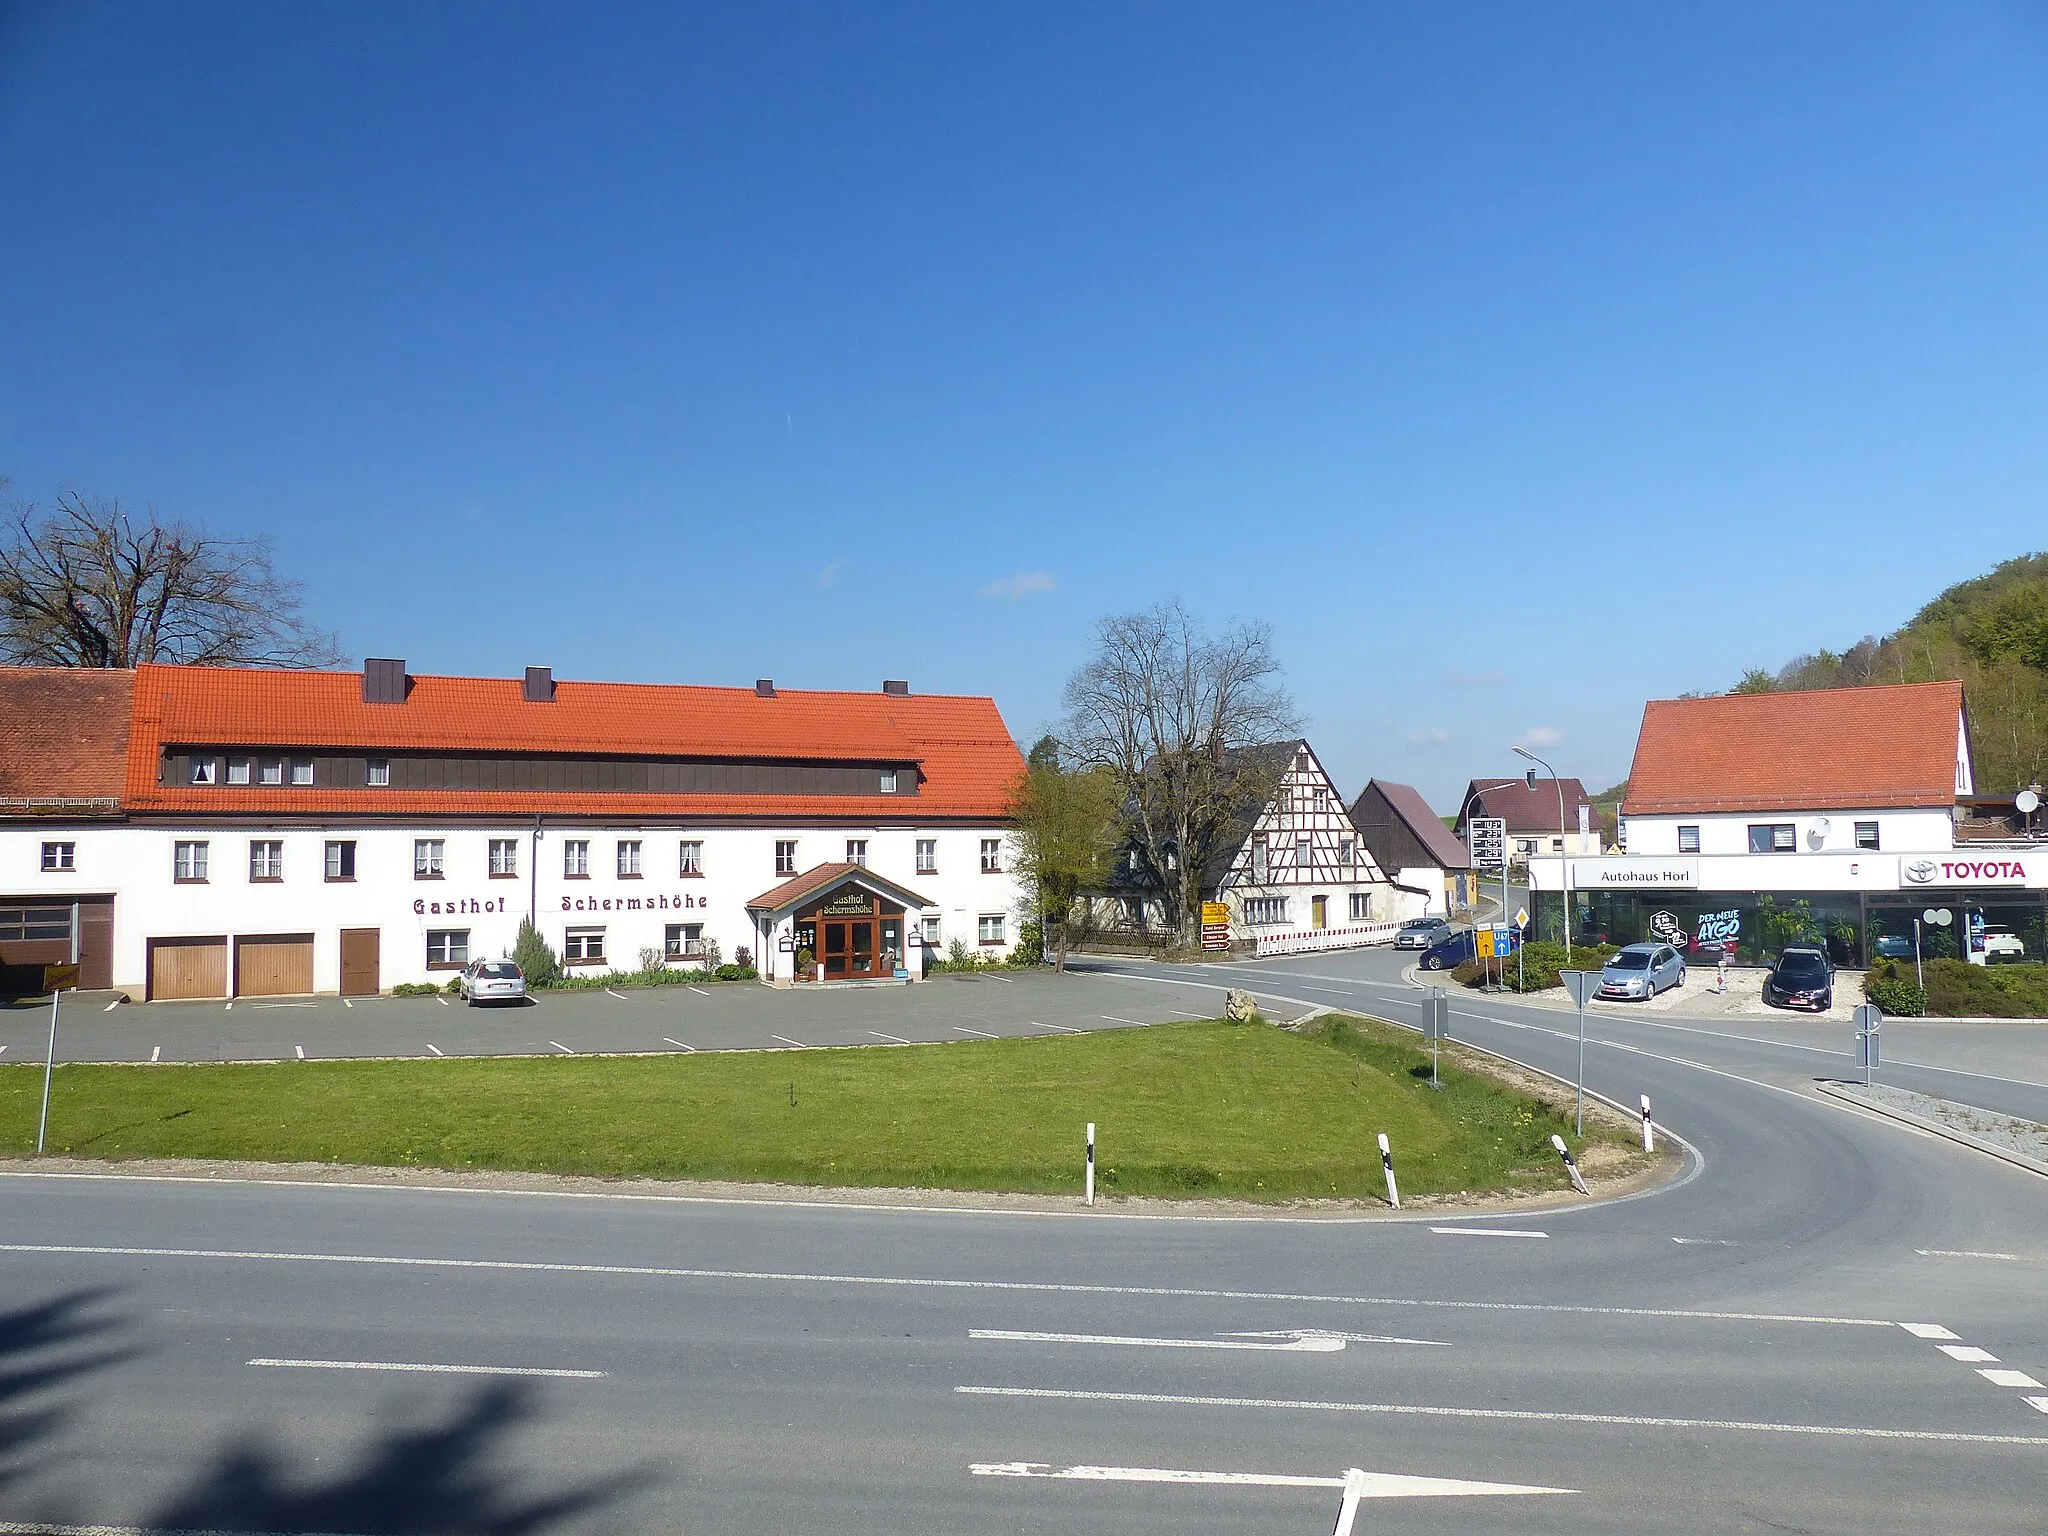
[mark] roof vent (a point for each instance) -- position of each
(540, 685)
(897, 686)
(383, 680)
(764, 687)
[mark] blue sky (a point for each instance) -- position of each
(1516, 363)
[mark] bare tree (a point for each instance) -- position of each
(1169, 710)
(85, 585)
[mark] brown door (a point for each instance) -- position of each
(1319, 911)
(835, 950)
(96, 941)
(360, 949)
(274, 965)
(187, 968)
(861, 937)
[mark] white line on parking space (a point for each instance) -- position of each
(1486, 1232)
(1065, 1029)
(962, 1029)
(261, 1006)
(346, 1003)
(3, 1050)
(698, 990)
(920, 1282)
(442, 1001)
(1309, 1343)
(1927, 1331)
(117, 1002)
(156, 1053)
(787, 1041)
(1186, 1015)
(608, 992)
(671, 1039)
(1113, 1019)
(561, 1047)
(229, 1009)
(301, 1051)
(2004, 1378)
(436, 1370)
(892, 1039)
(1422, 1410)
(436, 1049)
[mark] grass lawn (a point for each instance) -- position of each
(1203, 1108)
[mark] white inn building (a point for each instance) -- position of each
(193, 832)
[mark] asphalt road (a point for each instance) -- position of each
(1727, 1354)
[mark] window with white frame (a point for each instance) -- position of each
(266, 859)
(238, 770)
(1260, 858)
(576, 859)
(202, 770)
(302, 770)
(1361, 906)
(990, 928)
(927, 855)
(888, 781)
(1688, 839)
(504, 857)
(991, 855)
(59, 858)
(188, 862)
(341, 860)
(379, 773)
(1347, 853)
(1525, 845)
(1304, 853)
(1264, 911)
(680, 941)
(690, 857)
(785, 857)
(583, 946)
(1866, 835)
(271, 771)
(856, 850)
(1776, 837)
(427, 853)
(931, 932)
(629, 859)
(1319, 798)
(447, 948)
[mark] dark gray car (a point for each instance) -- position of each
(1642, 971)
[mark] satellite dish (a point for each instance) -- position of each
(1821, 825)
(2027, 801)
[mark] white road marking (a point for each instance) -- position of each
(1333, 991)
(1967, 1352)
(962, 1029)
(2036, 1402)
(2003, 1378)
(1349, 1338)
(915, 1282)
(1113, 1019)
(1928, 1331)
(1312, 1344)
(892, 1039)
(1485, 1232)
(672, 1040)
(1708, 1242)
(698, 990)
(301, 1050)
(1370, 1485)
(259, 1007)
(787, 1041)
(435, 1370)
(229, 1009)
(346, 1003)
(156, 1053)
(1064, 1029)
(1962, 1253)
(112, 1006)
(1625, 1420)
(608, 992)
(1186, 1015)
(3, 1050)
(442, 1001)
(436, 1049)
(561, 1047)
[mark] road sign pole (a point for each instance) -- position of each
(1582, 1067)
(49, 1066)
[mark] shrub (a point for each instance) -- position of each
(735, 973)
(452, 986)
(1030, 944)
(1957, 989)
(651, 960)
(712, 956)
(536, 962)
(1541, 964)
(1898, 999)
(958, 956)
(415, 989)
(743, 957)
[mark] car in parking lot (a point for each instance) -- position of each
(2003, 947)
(1641, 971)
(1801, 978)
(1454, 948)
(491, 981)
(1422, 933)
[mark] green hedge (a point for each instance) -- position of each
(1957, 989)
(1541, 963)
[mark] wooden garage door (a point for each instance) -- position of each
(188, 968)
(274, 965)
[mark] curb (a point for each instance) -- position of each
(1948, 1132)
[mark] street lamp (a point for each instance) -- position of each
(1564, 867)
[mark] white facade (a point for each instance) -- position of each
(137, 865)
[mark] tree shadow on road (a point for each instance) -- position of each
(451, 1478)
(44, 1346)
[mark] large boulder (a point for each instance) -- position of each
(1239, 1006)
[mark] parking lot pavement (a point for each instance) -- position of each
(722, 1017)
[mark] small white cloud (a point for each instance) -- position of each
(1429, 736)
(830, 574)
(1023, 584)
(1540, 736)
(1458, 678)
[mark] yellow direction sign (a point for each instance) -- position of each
(1485, 940)
(1214, 912)
(60, 978)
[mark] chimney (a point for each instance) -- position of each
(540, 685)
(383, 680)
(896, 686)
(764, 687)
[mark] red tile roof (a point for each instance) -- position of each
(813, 882)
(1827, 749)
(965, 751)
(63, 733)
(1524, 809)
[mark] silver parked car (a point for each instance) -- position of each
(1642, 970)
(1422, 933)
(491, 981)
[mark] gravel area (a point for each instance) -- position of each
(2007, 1131)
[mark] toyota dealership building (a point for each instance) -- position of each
(1831, 817)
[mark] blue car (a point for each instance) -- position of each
(1455, 950)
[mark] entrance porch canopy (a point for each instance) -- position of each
(823, 882)
(857, 924)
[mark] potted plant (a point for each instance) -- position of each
(804, 960)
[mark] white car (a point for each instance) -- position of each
(2003, 946)
(491, 981)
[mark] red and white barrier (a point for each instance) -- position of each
(1299, 941)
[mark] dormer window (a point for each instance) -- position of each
(238, 770)
(888, 781)
(202, 770)
(380, 772)
(271, 772)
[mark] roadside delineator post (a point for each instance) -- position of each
(1649, 1136)
(1089, 1176)
(1347, 1511)
(1387, 1162)
(1570, 1167)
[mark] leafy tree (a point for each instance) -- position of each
(1756, 680)
(86, 585)
(1066, 839)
